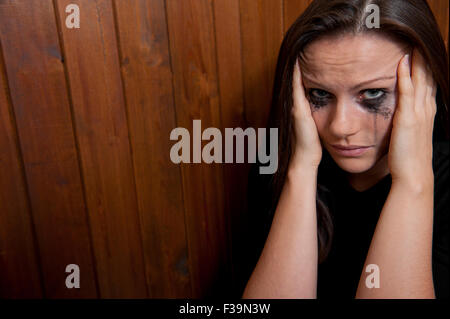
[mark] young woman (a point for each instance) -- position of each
(359, 205)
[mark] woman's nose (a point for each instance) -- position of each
(344, 119)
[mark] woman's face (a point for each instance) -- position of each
(350, 82)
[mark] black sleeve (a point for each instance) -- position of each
(441, 220)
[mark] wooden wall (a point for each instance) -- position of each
(85, 118)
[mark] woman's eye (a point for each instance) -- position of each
(372, 94)
(319, 94)
(318, 97)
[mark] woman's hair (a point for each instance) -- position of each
(409, 21)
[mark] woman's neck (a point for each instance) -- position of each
(363, 181)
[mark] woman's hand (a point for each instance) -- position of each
(411, 146)
(307, 151)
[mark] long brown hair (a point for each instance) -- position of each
(409, 21)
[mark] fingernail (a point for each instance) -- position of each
(406, 59)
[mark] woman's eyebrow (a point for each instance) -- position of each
(358, 85)
(373, 80)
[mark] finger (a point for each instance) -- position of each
(434, 90)
(428, 89)
(419, 77)
(432, 99)
(405, 85)
(431, 93)
(300, 101)
(431, 83)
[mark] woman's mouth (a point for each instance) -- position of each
(351, 150)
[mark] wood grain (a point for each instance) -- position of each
(147, 77)
(93, 72)
(19, 265)
(292, 9)
(440, 11)
(39, 96)
(261, 35)
(193, 58)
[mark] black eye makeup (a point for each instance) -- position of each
(371, 99)
(318, 97)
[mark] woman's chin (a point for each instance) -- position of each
(354, 165)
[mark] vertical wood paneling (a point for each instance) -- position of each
(39, 97)
(19, 267)
(292, 10)
(193, 58)
(440, 11)
(148, 89)
(229, 62)
(93, 70)
(262, 33)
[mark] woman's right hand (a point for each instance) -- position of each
(307, 150)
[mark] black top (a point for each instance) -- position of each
(355, 216)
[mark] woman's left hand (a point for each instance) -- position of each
(411, 146)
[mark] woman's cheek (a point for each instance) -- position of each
(319, 118)
(390, 106)
(386, 110)
(383, 124)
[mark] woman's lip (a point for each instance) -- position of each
(351, 152)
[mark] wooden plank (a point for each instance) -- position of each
(262, 33)
(229, 61)
(192, 49)
(440, 11)
(292, 10)
(99, 112)
(147, 77)
(19, 266)
(39, 97)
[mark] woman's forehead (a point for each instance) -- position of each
(351, 58)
